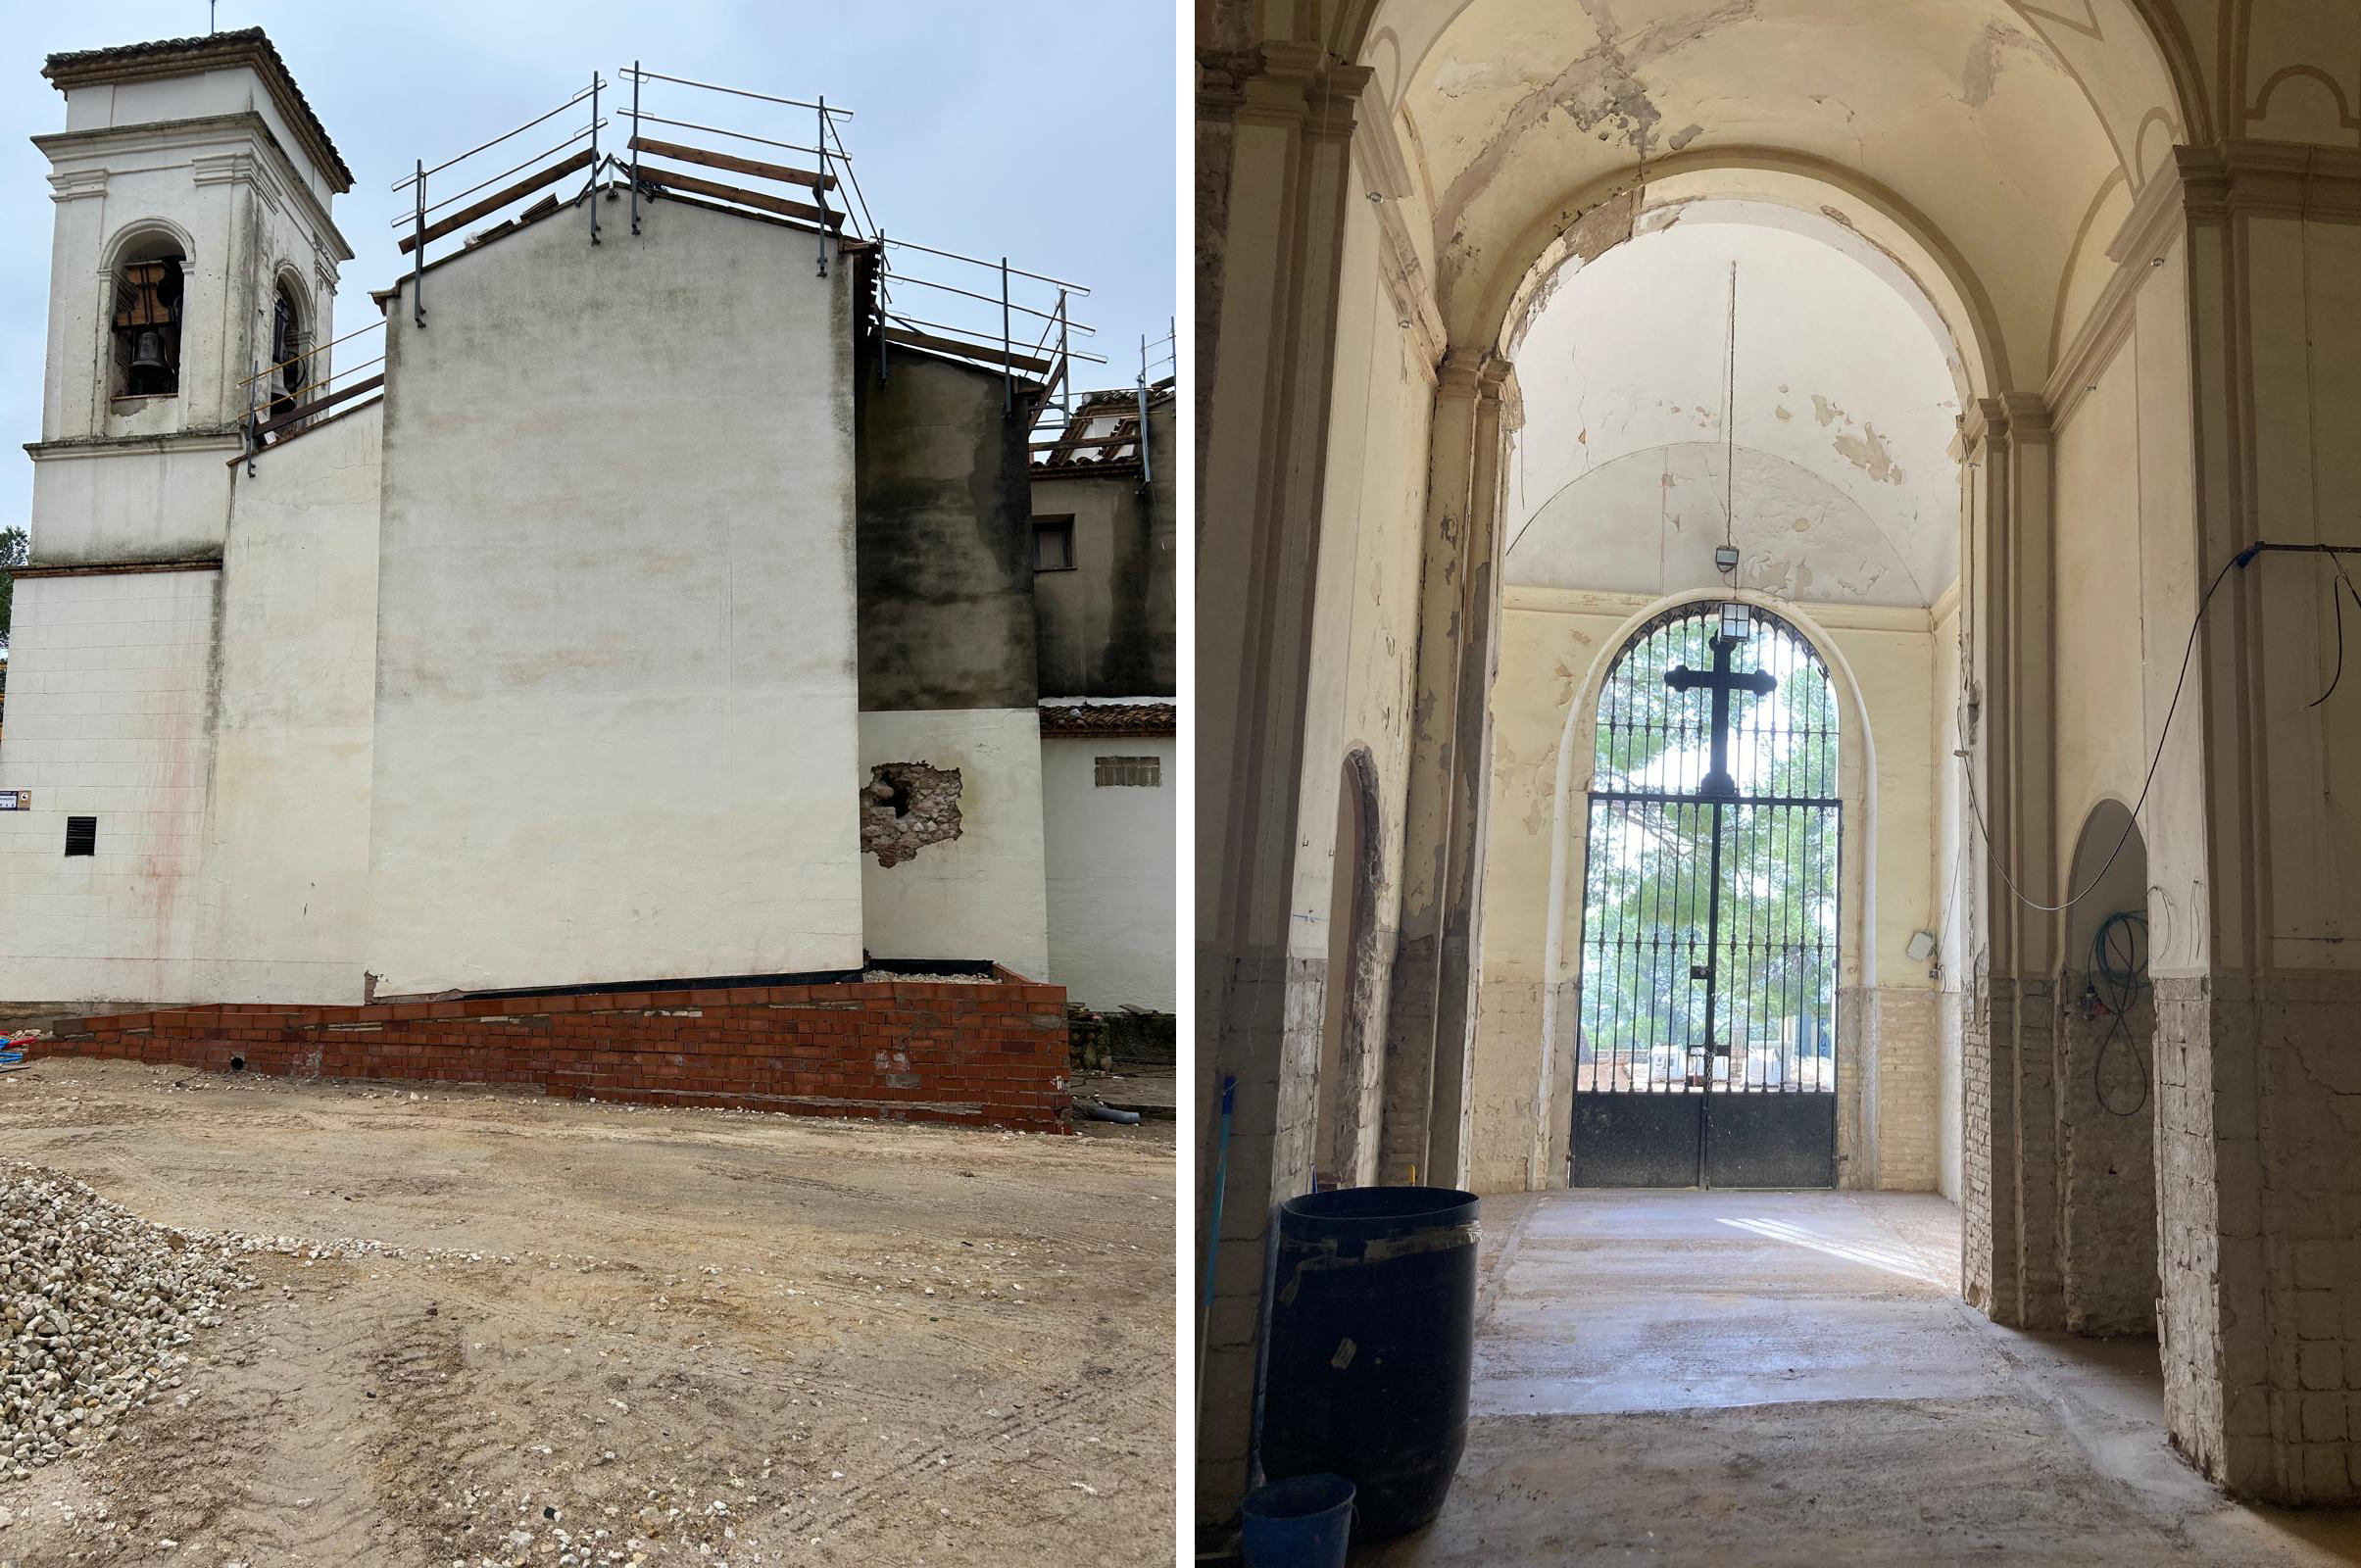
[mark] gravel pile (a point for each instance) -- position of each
(95, 1307)
(931, 979)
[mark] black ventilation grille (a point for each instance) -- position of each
(81, 835)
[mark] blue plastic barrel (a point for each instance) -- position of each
(1302, 1522)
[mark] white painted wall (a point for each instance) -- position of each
(1112, 854)
(616, 730)
(110, 715)
(981, 895)
(288, 852)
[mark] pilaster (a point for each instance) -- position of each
(1286, 118)
(1417, 1076)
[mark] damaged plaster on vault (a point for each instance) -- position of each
(906, 807)
(1846, 487)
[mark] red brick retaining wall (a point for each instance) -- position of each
(990, 1056)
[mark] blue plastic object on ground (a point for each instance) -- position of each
(10, 1052)
(1302, 1522)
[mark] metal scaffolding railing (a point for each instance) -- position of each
(1110, 425)
(284, 397)
(927, 298)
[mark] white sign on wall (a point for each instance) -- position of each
(15, 800)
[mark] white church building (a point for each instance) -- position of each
(657, 611)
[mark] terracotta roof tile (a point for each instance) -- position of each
(1110, 718)
(176, 57)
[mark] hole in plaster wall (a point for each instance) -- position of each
(906, 807)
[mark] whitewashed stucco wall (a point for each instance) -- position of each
(617, 732)
(1112, 852)
(110, 715)
(288, 840)
(980, 894)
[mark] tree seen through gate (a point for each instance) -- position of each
(1709, 940)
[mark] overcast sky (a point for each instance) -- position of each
(1043, 131)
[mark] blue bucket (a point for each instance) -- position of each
(1302, 1522)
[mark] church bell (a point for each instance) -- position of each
(147, 351)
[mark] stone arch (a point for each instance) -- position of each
(2106, 1103)
(142, 235)
(1856, 854)
(1929, 270)
(2111, 68)
(290, 340)
(1353, 1004)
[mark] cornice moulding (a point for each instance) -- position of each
(66, 148)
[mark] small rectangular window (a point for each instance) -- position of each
(81, 835)
(1053, 544)
(1137, 772)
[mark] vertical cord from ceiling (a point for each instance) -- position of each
(1730, 419)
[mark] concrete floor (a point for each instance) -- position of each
(1776, 1378)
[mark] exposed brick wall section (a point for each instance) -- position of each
(2106, 1110)
(1906, 1089)
(984, 1056)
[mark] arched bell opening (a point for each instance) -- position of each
(144, 323)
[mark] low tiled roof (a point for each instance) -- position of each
(183, 57)
(1100, 417)
(1110, 718)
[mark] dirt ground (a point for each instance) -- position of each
(731, 1338)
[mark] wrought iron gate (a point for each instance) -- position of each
(1706, 1052)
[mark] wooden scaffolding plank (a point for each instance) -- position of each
(736, 166)
(292, 415)
(745, 198)
(967, 351)
(498, 198)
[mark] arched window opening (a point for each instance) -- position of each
(1709, 939)
(148, 297)
(287, 378)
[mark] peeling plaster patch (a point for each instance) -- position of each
(1825, 412)
(1684, 137)
(907, 806)
(1838, 215)
(1867, 453)
(1600, 91)
(1981, 73)
(1781, 413)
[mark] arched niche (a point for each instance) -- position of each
(2106, 1097)
(1352, 1054)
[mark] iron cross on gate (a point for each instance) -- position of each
(1722, 680)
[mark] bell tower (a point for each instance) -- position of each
(192, 184)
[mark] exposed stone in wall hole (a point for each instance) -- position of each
(906, 807)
